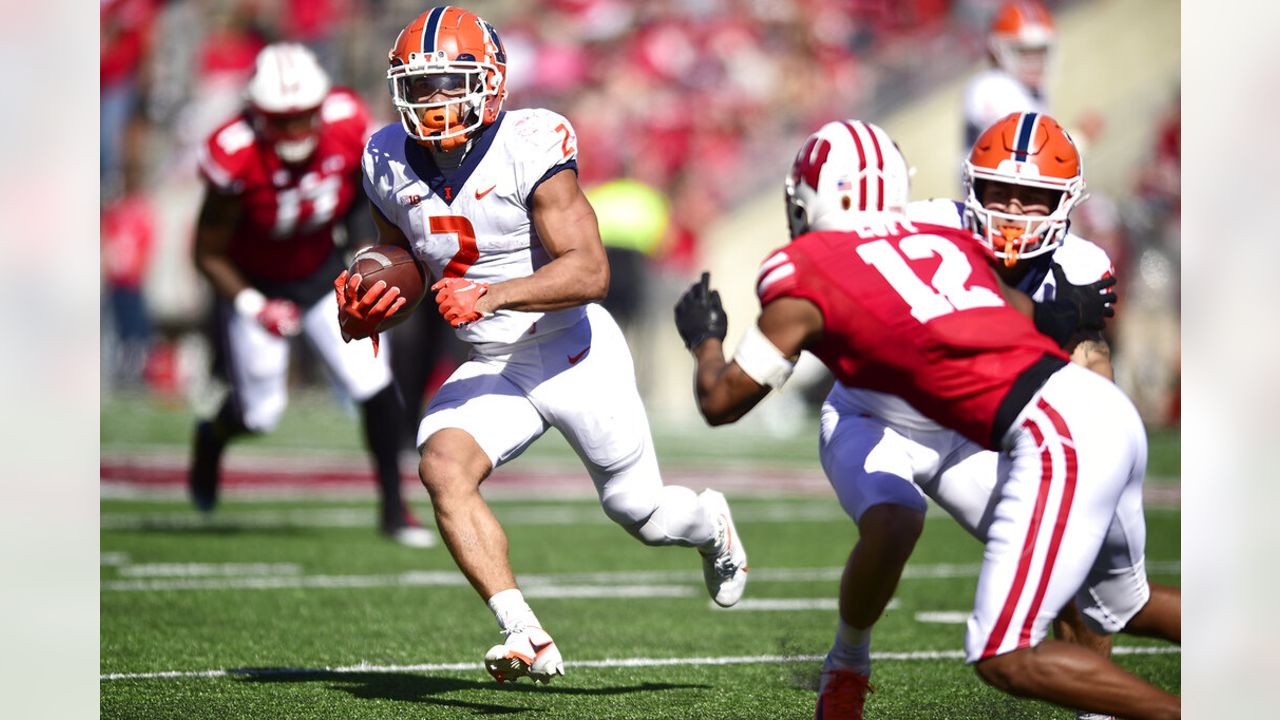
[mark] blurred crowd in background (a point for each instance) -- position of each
(683, 108)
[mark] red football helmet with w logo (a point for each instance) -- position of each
(845, 169)
(447, 76)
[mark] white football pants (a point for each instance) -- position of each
(581, 381)
(870, 461)
(258, 362)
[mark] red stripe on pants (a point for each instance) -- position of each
(1028, 544)
(1060, 526)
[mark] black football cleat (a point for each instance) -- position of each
(205, 459)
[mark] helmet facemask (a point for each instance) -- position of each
(442, 102)
(284, 95)
(1030, 61)
(293, 136)
(1015, 236)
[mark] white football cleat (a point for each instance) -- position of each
(414, 536)
(529, 650)
(725, 567)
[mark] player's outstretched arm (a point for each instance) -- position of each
(725, 391)
(579, 271)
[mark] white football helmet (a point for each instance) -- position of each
(288, 82)
(844, 170)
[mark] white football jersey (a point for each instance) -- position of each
(474, 221)
(1082, 262)
(990, 96)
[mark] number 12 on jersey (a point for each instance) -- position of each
(945, 293)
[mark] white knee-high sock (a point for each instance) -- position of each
(509, 608)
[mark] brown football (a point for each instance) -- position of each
(396, 267)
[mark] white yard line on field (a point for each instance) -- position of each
(787, 604)
(943, 617)
(544, 584)
(575, 514)
(209, 569)
(609, 663)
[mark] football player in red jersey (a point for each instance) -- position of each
(279, 177)
(883, 457)
(914, 310)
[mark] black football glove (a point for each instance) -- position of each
(1075, 308)
(699, 314)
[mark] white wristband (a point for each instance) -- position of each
(761, 360)
(249, 302)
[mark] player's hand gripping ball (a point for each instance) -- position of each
(370, 302)
(396, 267)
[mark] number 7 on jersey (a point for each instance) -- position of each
(468, 252)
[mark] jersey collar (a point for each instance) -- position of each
(445, 184)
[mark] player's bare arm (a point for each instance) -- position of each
(219, 216)
(388, 232)
(579, 271)
(1095, 354)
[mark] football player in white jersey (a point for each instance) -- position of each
(1020, 43)
(882, 456)
(490, 205)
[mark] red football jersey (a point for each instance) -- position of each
(914, 311)
(286, 227)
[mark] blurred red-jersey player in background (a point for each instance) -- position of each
(279, 177)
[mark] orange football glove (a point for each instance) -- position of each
(359, 316)
(457, 299)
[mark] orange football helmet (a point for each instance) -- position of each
(1021, 40)
(447, 76)
(1030, 150)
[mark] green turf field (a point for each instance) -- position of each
(296, 608)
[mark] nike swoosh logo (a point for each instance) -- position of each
(573, 359)
(481, 193)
